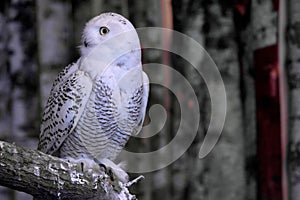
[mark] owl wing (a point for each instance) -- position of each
(64, 108)
(138, 103)
(144, 98)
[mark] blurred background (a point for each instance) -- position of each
(254, 43)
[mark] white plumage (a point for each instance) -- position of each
(96, 103)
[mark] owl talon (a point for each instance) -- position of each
(109, 171)
(82, 166)
(85, 165)
(114, 179)
(114, 171)
(111, 174)
(103, 166)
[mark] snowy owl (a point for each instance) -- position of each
(97, 103)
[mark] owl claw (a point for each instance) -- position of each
(103, 166)
(115, 173)
(108, 171)
(85, 165)
(82, 166)
(113, 170)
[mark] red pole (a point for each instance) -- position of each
(167, 22)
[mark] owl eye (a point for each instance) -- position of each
(103, 30)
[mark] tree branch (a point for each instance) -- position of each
(48, 177)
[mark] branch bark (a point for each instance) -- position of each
(48, 177)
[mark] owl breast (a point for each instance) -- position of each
(105, 125)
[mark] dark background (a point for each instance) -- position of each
(254, 43)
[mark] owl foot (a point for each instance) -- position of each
(115, 173)
(85, 165)
(114, 170)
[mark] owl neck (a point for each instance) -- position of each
(96, 66)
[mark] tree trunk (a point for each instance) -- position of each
(5, 81)
(19, 83)
(23, 71)
(188, 170)
(54, 42)
(244, 37)
(293, 74)
(266, 63)
(225, 174)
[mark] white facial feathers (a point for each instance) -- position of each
(101, 28)
(109, 40)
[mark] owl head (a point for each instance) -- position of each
(102, 28)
